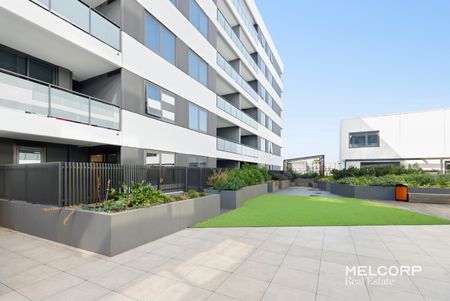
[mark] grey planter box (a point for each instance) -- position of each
(304, 182)
(430, 190)
(375, 192)
(107, 233)
(323, 185)
(342, 189)
(273, 186)
(285, 184)
(234, 199)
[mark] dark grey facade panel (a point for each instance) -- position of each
(133, 92)
(212, 76)
(107, 87)
(65, 78)
(112, 9)
(250, 140)
(230, 133)
(182, 56)
(133, 19)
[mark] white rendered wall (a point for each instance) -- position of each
(407, 135)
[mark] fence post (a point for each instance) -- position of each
(186, 180)
(60, 183)
(201, 180)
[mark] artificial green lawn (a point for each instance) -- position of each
(283, 210)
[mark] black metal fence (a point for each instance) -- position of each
(72, 183)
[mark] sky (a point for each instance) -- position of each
(351, 58)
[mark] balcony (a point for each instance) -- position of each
(235, 112)
(243, 12)
(236, 40)
(236, 148)
(237, 78)
(85, 18)
(35, 97)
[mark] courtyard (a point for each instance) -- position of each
(241, 263)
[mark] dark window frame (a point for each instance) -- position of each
(366, 135)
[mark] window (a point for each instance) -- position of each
(198, 18)
(198, 68)
(174, 2)
(269, 124)
(263, 145)
(198, 118)
(157, 158)
(159, 39)
(196, 161)
(364, 139)
(270, 147)
(262, 119)
(153, 102)
(25, 65)
(29, 155)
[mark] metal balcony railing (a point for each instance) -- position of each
(26, 94)
(237, 78)
(243, 12)
(237, 113)
(236, 148)
(236, 40)
(86, 18)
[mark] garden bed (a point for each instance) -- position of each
(273, 186)
(232, 199)
(373, 192)
(107, 233)
(285, 184)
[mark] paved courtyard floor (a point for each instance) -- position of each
(234, 264)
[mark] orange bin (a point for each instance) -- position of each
(401, 193)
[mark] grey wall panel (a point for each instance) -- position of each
(131, 155)
(107, 87)
(181, 112)
(65, 78)
(212, 33)
(212, 124)
(112, 10)
(183, 7)
(133, 92)
(6, 152)
(212, 78)
(230, 133)
(133, 20)
(182, 56)
(251, 140)
(252, 112)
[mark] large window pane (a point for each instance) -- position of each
(203, 73)
(198, 68)
(42, 71)
(153, 100)
(193, 117)
(372, 139)
(193, 65)
(152, 33)
(203, 121)
(168, 45)
(198, 18)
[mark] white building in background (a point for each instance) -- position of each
(173, 82)
(421, 138)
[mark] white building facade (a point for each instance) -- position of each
(421, 138)
(170, 82)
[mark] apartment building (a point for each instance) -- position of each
(420, 138)
(170, 82)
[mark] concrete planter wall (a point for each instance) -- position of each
(285, 184)
(375, 192)
(273, 186)
(107, 233)
(304, 182)
(323, 185)
(342, 189)
(430, 190)
(234, 199)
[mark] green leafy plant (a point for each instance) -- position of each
(238, 178)
(139, 195)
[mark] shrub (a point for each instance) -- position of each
(376, 171)
(412, 180)
(238, 178)
(139, 195)
(308, 175)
